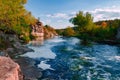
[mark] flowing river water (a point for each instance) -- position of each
(66, 59)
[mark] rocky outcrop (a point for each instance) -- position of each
(42, 32)
(28, 68)
(118, 34)
(38, 33)
(37, 30)
(11, 45)
(9, 70)
(49, 32)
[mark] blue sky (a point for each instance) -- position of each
(58, 12)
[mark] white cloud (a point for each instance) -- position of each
(73, 13)
(61, 15)
(62, 19)
(48, 15)
(106, 13)
(48, 21)
(58, 15)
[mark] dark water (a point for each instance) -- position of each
(66, 59)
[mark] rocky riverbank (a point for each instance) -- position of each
(29, 70)
(12, 47)
(12, 63)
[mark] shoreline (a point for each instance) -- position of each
(28, 65)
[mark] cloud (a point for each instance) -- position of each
(58, 15)
(61, 15)
(106, 13)
(47, 21)
(62, 19)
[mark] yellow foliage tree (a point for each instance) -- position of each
(13, 16)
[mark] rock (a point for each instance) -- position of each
(37, 29)
(2, 53)
(16, 51)
(23, 49)
(49, 32)
(10, 44)
(45, 32)
(28, 68)
(48, 79)
(9, 70)
(10, 50)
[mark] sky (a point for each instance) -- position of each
(57, 13)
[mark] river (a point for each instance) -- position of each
(66, 59)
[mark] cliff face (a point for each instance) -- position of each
(42, 32)
(49, 32)
(37, 30)
(9, 70)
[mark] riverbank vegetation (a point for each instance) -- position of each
(15, 19)
(87, 30)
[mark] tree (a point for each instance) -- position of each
(13, 14)
(82, 21)
(69, 32)
(14, 17)
(104, 24)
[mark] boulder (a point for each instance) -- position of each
(9, 70)
(29, 69)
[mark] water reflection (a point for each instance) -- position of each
(37, 42)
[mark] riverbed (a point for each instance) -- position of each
(66, 59)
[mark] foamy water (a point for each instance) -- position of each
(43, 51)
(65, 58)
(44, 65)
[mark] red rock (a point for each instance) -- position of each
(9, 70)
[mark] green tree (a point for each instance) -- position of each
(14, 17)
(69, 32)
(84, 26)
(82, 21)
